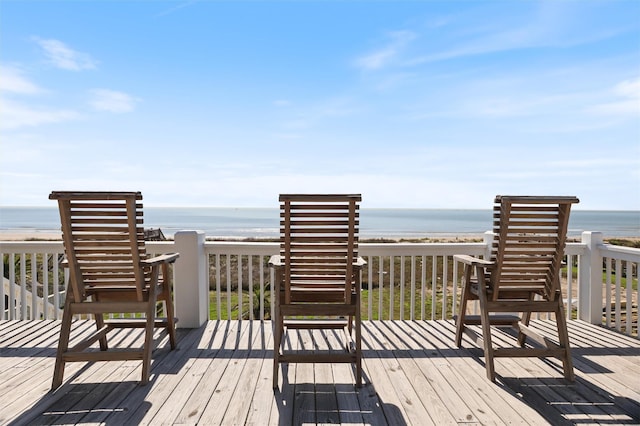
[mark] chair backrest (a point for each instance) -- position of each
(528, 247)
(319, 245)
(103, 237)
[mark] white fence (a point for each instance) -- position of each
(403, 281)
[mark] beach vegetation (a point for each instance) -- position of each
(625, 242)
(29, 269)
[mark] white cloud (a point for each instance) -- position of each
(546, 25)
(628, 88)
(517, 104)
(16, 115)
(62, 56)
(112, 101)
(12, 80)
(592, 163)
(626, 107)
(383, 56)
(175, 8)
(629, 91)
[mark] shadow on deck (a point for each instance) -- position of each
(221, 374)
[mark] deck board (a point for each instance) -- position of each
(221, 373)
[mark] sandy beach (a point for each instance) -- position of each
(30, 235)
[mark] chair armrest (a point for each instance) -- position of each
(163, 258)
(275, 261)
(472, 261)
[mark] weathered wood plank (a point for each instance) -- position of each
(448, 375)
(348, 404)
(304, 408)
(262, 401)
(542, 385)
(235, 387)
(433, 380)
(284, 396)
(130, 396)
(25, 392)
(325, 390)
(107, 376)
(600, 358)
(498, 404)
(197, 387)
(221, 372)
(383, 371)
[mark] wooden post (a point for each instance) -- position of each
(190, 287)
(590, 279)
(487, 239)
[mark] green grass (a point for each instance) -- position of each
(375, 300)
(623, 278)
(427, 301)
(235, 305)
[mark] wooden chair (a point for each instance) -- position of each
(109, 273)
(522, 276)
(318, 276)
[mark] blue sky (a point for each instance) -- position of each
(422, 104)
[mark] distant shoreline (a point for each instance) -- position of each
(44, 235)
(36, 235)
(261, 224)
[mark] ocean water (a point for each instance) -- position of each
(374, 223)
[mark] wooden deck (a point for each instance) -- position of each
(221, 374)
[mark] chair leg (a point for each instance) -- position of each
(63, 342)
(466, 289)
(148, 344)
(486, 332)
(150, 324)
(563, 337)
(522, 338)
(171, 323)
(277, 342)
(99, 318)
(168, 303)
(99, 325)
(526, 318)
(358, 327)
(350, 323)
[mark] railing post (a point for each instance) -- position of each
(590, 279)
(191, 294)
(487, 239)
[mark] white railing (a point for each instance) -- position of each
(34, 287)
(33, 305)
(231, 280)
(239, 278)
(620, 298)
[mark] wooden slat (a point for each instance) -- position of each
(100, 229)
(318, 254)
(107, 223)
(316, 222)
